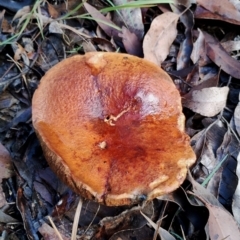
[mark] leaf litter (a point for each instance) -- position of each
(203, 60)
(159, 38)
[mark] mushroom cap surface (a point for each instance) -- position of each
(111, 126)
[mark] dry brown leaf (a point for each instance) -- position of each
(164, 234)
(207, 101)
(209, 80)
(221, 223)
(206, 143)
(131, 18)
(198, 52)
(88, 46)
(2, 13)
(202, 192)
(218, 184)
(49, 233)
(6, 167)
(20, 53)
(4, 24)
(203, 13)
(54, 27)
(194, 211)
(157, 41)
(236, 118)
(60, 9)
(104, 44)
(5, 218)
(231, 46)
(236, 4)
(224, 8)
(131, 43)
(186, 46)
(236, 196)
(220, 57)
(208, 158)
(22, 13)
(53, 11)
(6, 170)
(105, 24)
(129, 219)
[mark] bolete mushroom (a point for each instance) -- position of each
(111, 126)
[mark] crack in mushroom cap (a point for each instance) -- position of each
(111, 127)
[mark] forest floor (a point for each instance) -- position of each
(196, 42)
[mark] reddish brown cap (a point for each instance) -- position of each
(111, 127)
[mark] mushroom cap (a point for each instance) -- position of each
(111, 127)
